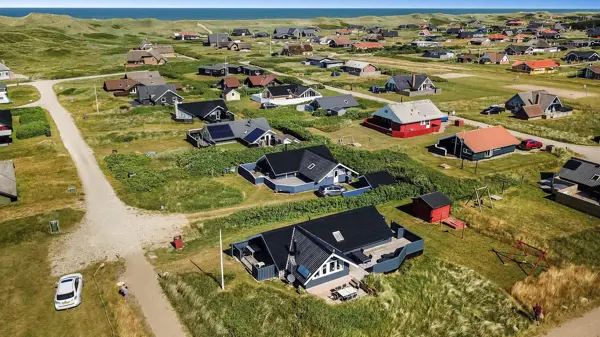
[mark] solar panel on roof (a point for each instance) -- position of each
(254, 135)
(572, 164)
(219, 131)
(303, 271)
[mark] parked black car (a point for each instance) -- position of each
(493, 110)
(330, 190)
(268, 106)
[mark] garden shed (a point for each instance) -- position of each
(432, 207)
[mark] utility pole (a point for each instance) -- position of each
(221, 255)
(96, 95)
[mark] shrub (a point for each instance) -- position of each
(33, 122)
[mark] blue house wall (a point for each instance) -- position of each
(264, 273)
(414, 248)
(330, 277)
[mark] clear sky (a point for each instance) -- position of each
(303, 4)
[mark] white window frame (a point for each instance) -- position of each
(164, 99)
(331, 266)
(596, 177)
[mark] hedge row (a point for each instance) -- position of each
(32, 122)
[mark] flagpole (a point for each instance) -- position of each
(221, 255)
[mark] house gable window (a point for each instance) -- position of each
(330, 267)
(163, 99)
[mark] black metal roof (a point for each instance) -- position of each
(359, 228)
(289, 161)
(202, 109)
(435, 200)
(308, 252)
(581, 171)
(6, 118)
(284, 90)
(380, 178)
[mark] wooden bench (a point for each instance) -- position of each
(454, 223)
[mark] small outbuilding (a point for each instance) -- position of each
(432, 207)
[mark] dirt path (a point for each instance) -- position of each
(585, 326)
(110, 228)
(204, 27)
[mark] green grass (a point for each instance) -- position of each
(426, 298)
(21, 95)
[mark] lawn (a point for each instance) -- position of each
(21, 95)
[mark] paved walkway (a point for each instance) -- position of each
(110, 229)
(585, 326)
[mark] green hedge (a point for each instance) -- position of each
(33, 122)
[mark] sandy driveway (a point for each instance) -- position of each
(560, 92)
(110, 228)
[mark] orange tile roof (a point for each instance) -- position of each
(343, 30)
(497, 37)
(342, 40)
(367, 45)
(231, 82)
(487, 138)
(537, 64)
(188, 33)
(549, 31)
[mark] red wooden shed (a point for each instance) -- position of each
(432, 207)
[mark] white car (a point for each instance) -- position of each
(68, 292)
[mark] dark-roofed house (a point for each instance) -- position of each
(334, 248)
(432, 207)
(240, 32)
(220, 69)
(210, 111)
(582, 56)
(479, 144)
(296, 171)
(518, 50)
(438, 53)
(577, 185)
(537, 104)
(291, 94)
(466, 58)
(411, 85)
(370, 181)
(215, 39)
(286, 33)
(389, 33)
(121, 87)
(465, 35)
(250, 132)
(158, 95)
(6, 127)
(324, 62)
(408, 119)
(252, 70)
(591, 72)
(334, 105)
(261, 34)
(8, 182)
(235, 46)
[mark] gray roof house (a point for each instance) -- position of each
(537, 104)
(577, 185)
(251, 132)
(214, 111)
(411, 85)
(333, 248)
(286, 33)
(296, 171)
(145, 77)
(518, 50)
(8, 182)
(241, 32)
(334, 105)
(582, 56)
(165, 94)
(214, 39)
(438, 53)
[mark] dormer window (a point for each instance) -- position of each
(596, 177)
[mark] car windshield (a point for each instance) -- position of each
(62, 297)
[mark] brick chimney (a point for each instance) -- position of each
(414, 81)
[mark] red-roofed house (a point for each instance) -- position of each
(229, 83)
(519, 38)
(535, 67)
(498, 37)
(261, 81)
(366, 45)
(340, 41)
(343, 32)
(515, 23)
(479, 144)
(424, 32)
(549, 34)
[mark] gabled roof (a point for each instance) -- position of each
(308, 252)
(518, 49)
(595, 69)
(533, 111)
(538, 43)
(537, 64)
(494, 57)
(584, 54)
(291, 161)
(340, 101)
(240, 129)
(342, 40)
(487, 138)
(537, 97)
(368, 45)
(406, 81)
(231, 82)
(356, 64)
(120, 84)
(6, 118)
(410, 112)
(379, 178)
(314, 167)
(435, 200)
(146, 77)
(262, 80)
(580, 171)
(216, 38)
(3, 67)
(202, 109)
(285, 90)
(153, 92)
(8, 179)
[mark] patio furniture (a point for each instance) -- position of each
(347, 292)
(361, 257)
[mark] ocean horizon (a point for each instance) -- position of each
(261, 13)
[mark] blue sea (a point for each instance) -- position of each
(259, 13)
